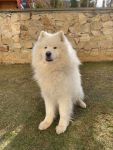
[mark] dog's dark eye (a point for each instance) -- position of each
(45, 47)
(55, 47)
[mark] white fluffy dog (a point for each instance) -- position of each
(56, 69)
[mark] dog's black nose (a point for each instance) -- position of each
(48, 54)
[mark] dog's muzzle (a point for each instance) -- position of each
(48, 56)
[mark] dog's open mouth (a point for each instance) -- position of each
(49, 59)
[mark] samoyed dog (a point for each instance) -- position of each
(56, 69)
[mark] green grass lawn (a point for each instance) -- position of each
(22, 109)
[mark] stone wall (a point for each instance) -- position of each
(91, 33)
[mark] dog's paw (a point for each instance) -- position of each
(60, 129)
(82, 104)
(44, 125)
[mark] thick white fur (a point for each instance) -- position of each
(59, 80)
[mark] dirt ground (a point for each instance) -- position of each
(22, 108)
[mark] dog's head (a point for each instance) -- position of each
(51, 47)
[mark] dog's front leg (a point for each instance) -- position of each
(65, 111)
(50, 114)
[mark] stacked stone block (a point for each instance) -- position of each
(91, 33)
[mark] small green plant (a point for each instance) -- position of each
(41, 4)
(56, 3)
(50, 3)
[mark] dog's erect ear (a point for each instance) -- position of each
(61, 35)
(42, 35)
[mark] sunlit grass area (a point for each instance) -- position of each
(22, 108)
